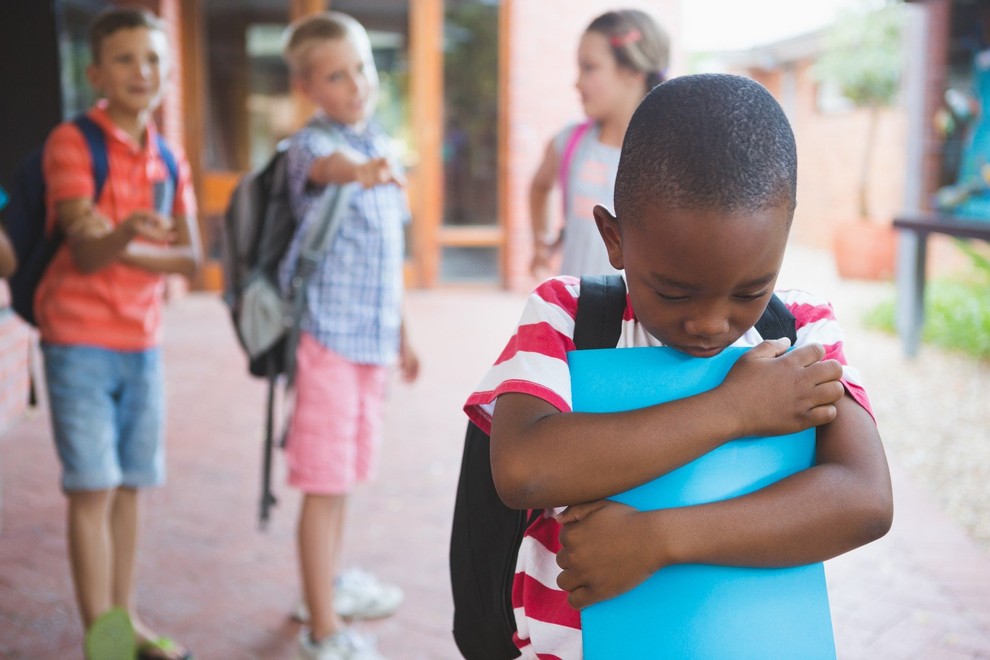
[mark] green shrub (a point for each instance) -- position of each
(957, 316)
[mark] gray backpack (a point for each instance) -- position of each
(259, 227)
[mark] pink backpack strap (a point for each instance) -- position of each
(564, 171)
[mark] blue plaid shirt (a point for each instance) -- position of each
(354, 299)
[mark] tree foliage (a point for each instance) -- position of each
(863, 53)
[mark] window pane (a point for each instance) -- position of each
(471, 107)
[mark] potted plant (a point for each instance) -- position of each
(863, 59)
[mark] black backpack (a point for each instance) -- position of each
(485, 534)
(24, 219)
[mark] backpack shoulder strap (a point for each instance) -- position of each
(97, 143)
(777, 321)
(169, 158)
(601, 304)
(564, 171)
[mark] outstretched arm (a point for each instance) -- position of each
(342, 167)
(544, 458)
(842, 502)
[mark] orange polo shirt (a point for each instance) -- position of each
(119, 306)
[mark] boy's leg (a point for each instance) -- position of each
(90, 552)
(124, 514)
(141, 427)
(81, 382)
(321, 525)
(320, 453)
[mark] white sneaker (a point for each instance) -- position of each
(342, 645)
(358, 594)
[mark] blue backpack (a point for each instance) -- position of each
(24, 218)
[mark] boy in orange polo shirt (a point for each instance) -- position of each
(98, 309)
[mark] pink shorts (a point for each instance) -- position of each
(335, 432)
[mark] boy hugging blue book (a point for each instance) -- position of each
(704, 198)
(719, 611)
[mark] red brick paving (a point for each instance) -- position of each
(208, 577)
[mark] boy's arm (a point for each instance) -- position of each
(339, 168)
(539, 212)
(544, 458)
(842, 502)
(8, 260)
(92, 238)
(183, 255)
(408, 359)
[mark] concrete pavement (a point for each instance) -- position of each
(209, 578)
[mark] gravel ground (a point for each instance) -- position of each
(933, 411)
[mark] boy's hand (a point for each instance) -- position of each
(151, 226)
(772, 392)
(605, 551)
(378, 171)
(408, 362)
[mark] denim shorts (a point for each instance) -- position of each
(107, 416)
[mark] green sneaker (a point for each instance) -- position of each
(111, 637)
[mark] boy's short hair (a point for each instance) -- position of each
(308, 31)
(119, 18)
(708, 141)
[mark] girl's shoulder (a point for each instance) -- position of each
(577, 130)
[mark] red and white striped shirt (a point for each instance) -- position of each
(534, 362)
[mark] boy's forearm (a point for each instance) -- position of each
(337, 169)
(841, 503)
(179, 259)
(534, 465)
(92, 253)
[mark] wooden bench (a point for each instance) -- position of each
(915, 228)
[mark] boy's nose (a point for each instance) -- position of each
(707, 325)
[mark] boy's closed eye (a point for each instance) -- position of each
(750, 297)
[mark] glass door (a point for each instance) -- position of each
(470, 237)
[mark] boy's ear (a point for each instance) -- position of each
(93, 76)
(299, 85)
(608, 227)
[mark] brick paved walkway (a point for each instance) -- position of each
(212, 580)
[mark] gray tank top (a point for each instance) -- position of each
(591, 179)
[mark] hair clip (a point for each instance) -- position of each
(631, 37)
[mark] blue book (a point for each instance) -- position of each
(699, 611)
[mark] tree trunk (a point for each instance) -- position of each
(864, 175)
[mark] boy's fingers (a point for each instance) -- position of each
(830, 392)
(771, 348)
(578, 512)
(809, 354)
(568, 515)
(826, 371)
(580, 597)
(820, 415)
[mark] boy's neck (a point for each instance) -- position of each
(357, 127)
(134, 124)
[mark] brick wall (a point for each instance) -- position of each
(542, 99)
(830, 156)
